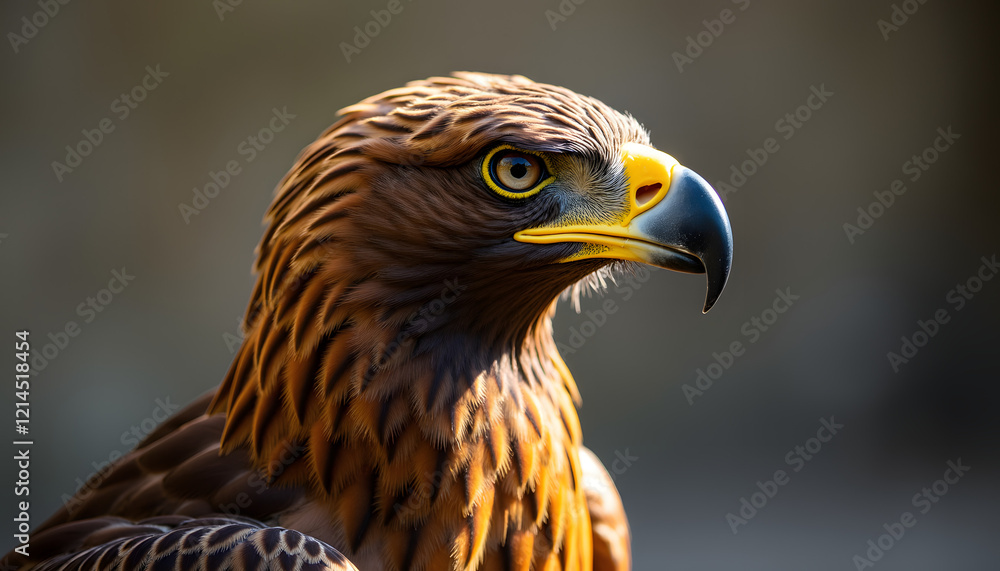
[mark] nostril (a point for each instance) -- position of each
(646, 193)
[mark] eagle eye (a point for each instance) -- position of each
(515, 173)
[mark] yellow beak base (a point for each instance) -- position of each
(673, 219)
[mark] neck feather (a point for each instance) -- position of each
(397, 424)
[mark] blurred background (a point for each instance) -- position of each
(712, 81)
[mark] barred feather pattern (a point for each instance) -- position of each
(201, 545)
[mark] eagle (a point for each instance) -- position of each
(398, 401)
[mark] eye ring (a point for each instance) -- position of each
(516, 173)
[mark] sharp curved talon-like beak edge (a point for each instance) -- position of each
(689, 222)
(673, 220)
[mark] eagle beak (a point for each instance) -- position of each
(674, 220)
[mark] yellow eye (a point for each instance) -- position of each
(514, 173)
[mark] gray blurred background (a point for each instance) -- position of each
(165, 335)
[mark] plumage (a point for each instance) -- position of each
(184, 544)
(398, 401)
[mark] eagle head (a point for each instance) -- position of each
(474, 200)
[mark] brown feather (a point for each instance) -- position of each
(611, 536)
(398, 394)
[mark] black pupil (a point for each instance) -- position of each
(519, 169)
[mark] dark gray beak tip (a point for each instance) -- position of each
(692, 220)
(713, 242)
(692, 227)
(716, 283)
